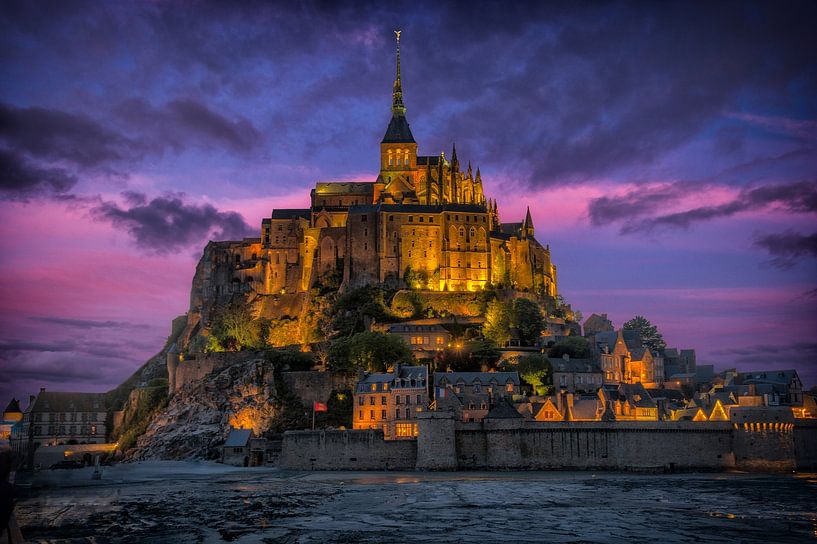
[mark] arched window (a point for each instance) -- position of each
(462, 231)
(472, 233)
(391, 159)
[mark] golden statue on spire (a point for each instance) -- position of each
(397, 33)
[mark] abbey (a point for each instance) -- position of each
(423, 223)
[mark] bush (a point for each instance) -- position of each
(574, 346)
(369, 351)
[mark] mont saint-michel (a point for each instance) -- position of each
(378, 348)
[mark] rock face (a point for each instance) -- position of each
(199, 415)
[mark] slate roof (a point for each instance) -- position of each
(238, 438)
(483, 378)
(344, 187)
(559, 364)
(13, 407)
(584, 408)
(405, 373)
(291, 214)
(417, 208)
(631, 339)
(503, 410)
(410, 326)
(510, 228)
(48, 401)
(398, 131)
(767, 376)
(671, 394)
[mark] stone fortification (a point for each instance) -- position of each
(346, 450)
(512, 444)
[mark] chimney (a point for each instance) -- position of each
(570, 401)
(559, 402)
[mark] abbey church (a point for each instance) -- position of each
(424, 223)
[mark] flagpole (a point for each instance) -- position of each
(313, 416)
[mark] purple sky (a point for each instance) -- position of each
(668, 152)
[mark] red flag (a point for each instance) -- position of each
(319, 407)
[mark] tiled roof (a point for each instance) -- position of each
(406, 373)
(48, 401)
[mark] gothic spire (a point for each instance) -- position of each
(454, 162)
(397, 106)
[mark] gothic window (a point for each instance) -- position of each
(472, 233)
(398, 161)
(461, 232)
(365, 246)
(365, 232)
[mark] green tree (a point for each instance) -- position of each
(528, 318)
(574, 346)
(234, 329)
(370, 351)
(352, 309)
(650, 337)
(535, 370)
(497, 327)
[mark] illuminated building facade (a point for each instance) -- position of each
(389, 401)
(424, 222)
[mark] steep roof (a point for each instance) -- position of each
(404, 373)
(767, 376)
(483, 378)
(398, 131)
(559, 364)
(48, 401)
(238, 438)
(584, 408)
(503, 410)
(13, 407)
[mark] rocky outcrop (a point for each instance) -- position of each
(198, 417)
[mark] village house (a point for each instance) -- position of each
(471, 395)
(390, 401)
(425, 337)
(576, 375)
(57, 418)
(629, 402)
(623, 359)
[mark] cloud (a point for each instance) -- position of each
(167, 223)
(787, 247)
(57, 135)
(88, 323)
(20, 180)
(631, 208)
(186, 122)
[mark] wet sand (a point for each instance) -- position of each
(172, 502)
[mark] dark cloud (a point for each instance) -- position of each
(88, 323)
(787, 247)
(20, 180)
(183, 123)
(631, 208)
(56, 135)
(25, 345)
(167, 223)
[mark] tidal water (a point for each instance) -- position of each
(192, 502)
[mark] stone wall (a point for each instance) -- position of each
(312, 386)
(509, 444)
(805, 445)
(191, 370)
(346, 450)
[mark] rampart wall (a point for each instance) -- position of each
(513, 444)
(346, 450)
(312, 386)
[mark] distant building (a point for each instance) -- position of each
(424, 337)
(56, 418)
(678, 362)
(596, 324)
(629, 402)
(471, 395)
(390, 401)
(624, 359)
(12, 415)
(785, 385)
(236, 449)
(576, 375)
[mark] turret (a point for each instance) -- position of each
(527, 226)
(398, 150)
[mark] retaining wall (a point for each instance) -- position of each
(346, 450)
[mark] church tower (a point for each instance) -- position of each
(398, 150)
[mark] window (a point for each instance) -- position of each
(391, 218)
(383, 400)
(365, 246)
(440, 340)
(408, 413)
(397, 413)
(476, 388)
(360, 414)
(365, 232)
(461, 231)
(411, 219)
(419, 399)
(364, 218)
(422, 219)
(371, 414)
(426, 340)
(371, 400)
(408, 400)
(382, 414)
(406, 430)
(430, 219)
(509, 387)
(399, 160)
(360, 401)
(397, 399)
